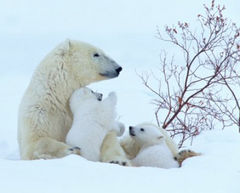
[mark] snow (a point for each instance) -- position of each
(216, 170)
(128, 37)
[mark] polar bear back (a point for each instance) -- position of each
(155, 156)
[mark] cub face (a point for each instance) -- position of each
(83, 94)
(145, 134)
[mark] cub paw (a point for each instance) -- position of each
(113, 96)
(74, 150)
(119, 128)
(122, 163)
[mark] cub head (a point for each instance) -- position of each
(146, 134)
(82, 96)
(87, 63)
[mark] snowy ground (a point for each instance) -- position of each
(217, 170)
(125, 31)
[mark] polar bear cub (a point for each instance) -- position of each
(93, 118)
(154, 151)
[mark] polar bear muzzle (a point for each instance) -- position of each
(112, 74)
(108, 67)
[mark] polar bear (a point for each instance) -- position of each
(44, 117)
(93, 118)
(154, 151)
(132, 148)
(112, 152)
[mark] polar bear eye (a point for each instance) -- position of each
(96, 55)
(142, 129)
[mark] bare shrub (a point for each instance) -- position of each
(201, 90)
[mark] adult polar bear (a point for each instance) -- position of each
(44, 114)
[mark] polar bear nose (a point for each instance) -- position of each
(119, 69)
(130, 128)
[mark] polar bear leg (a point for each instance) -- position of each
(112, 152)
(47, 148)
(130, 147)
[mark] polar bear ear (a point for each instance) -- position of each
(67, 44)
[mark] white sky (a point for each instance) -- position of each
(107, 17)
(124, 29)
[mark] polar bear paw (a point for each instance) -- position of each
(184, 154)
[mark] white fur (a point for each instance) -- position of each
(44, 117)
(112, 152)
(154, 151)
(155, 156)
(131, 147)
(92, 120)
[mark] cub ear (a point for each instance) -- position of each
(85, 90)
(160, 137)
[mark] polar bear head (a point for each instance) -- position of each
(83, 95)
(146, 134)
(87, 63)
